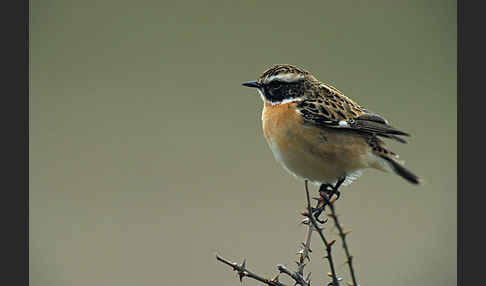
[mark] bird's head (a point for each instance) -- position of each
(282, 84)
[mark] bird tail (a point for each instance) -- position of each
(400, 170)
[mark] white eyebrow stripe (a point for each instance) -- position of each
(287, 77)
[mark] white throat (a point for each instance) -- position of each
(287, 100)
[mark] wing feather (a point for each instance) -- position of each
(332, 109)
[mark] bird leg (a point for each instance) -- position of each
(326, 191)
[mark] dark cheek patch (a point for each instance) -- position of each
(281, 91)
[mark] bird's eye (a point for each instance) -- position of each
(275, 84)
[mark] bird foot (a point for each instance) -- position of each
(326, 193)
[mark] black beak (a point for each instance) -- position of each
(252, 84)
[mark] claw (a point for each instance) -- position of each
(321, 221)
(316, 212)
(338, 194)
(327, 190)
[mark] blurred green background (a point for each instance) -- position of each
(147, 154)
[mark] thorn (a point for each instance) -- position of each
(302, 250)
(241, 270)
(329, 274)
(350, 284)
(346, 232)
(305, 213)
(350, 259)
(275, 279)
(331, 243)
(307, 279)
(241, 275)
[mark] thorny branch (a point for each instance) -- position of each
(342, 234)
(244, 272)
(327, 245)
(304, 252)
(298, 276)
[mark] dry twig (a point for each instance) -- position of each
(342, 234)
(298, 275)
(244, 272)
(327, 245)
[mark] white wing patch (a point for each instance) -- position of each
(343, 123)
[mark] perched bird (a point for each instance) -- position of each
(319, 134)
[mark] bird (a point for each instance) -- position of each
(320, 135)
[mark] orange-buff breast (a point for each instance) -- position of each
(318, 154)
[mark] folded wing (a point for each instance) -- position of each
(335, 110)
